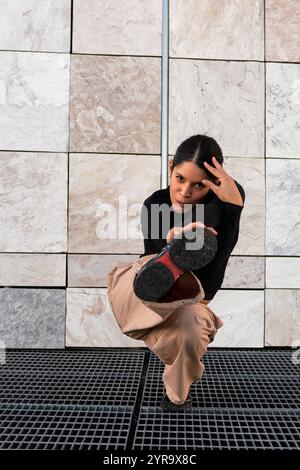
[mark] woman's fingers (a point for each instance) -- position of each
(192, 225)
(212, 230)
(215, 171)
(217, 164)
(214, 187)
(217, 167)
(200, 224)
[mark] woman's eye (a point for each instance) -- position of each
(200, 185)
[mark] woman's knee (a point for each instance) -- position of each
(190, 319)
(194, 327)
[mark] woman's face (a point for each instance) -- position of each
(185, 185)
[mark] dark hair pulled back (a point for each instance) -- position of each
(199, 149)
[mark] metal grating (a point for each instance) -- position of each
(64, 429)
(61, 399)
(90, 399)
(250, 362)
(80, 389)
(71, 377)
(245, 363)
(217, 429)
(63, 360)
(245, 400)
(229, 390)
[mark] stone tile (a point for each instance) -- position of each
(250, 173)
(33, 206)
(103, 188)
(91, 323)
(231, 30)
(282, 207)
(221, 99)
(244, 272)
(34, 101)
(32, 270)
(91, 270)
(115, 104)
(113, 27)
(283, 272)
(282, 110)
(35, 25)
(282, 30)
(243, 315)
(282, 317)
(32, 318)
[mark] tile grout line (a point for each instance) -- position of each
(165, 94)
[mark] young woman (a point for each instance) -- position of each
(179, 326)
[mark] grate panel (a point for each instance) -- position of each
(230, 391)
(251, 362)
(89, 378)
(91, 362)
(87, 399)
(33, 428)
(217, 429)
(93, 390)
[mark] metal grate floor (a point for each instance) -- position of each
(219, 387)
(37, 427)
(218, 429)
(109, 399)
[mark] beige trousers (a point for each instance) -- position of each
(178, 332)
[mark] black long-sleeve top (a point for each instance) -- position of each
(223, 216)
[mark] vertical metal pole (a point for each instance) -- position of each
(165, 94)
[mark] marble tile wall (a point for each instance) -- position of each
(80, 141)
(35, 25)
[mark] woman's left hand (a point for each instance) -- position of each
(227, 190)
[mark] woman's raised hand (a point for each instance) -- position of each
(227, 190)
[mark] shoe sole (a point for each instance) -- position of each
(156, 279)
(190, 260)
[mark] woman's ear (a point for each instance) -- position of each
(171, 166)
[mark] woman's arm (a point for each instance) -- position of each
(212, 275)
(151, 245)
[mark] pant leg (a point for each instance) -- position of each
(178, 332)
(180, 342)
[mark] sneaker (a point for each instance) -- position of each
(167, 405)
(160, 273)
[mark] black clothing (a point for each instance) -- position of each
(224, 217)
